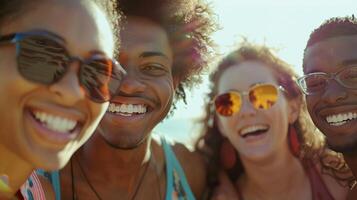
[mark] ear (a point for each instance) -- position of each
(294, 109)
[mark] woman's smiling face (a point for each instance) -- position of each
(255, 133)
(39, 120)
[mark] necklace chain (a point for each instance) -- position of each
(95, 191)
(353, 185)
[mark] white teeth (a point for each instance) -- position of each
(253, 128)
(55, 123)
(127, 109)
(340, 119)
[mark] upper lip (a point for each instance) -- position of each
(249, 125)
(332, 110)
(133, 100)
(60, 111)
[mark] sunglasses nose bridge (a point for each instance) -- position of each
(246, 107)
(69, 88)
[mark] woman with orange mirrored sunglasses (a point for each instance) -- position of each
(257, 137)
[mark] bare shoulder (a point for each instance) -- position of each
(336, 188)
(47, 188)
(193, 164)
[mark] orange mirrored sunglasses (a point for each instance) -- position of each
(261, 96)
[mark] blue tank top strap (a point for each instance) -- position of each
(177, 187)
(54, 178)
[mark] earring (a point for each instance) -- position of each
(211, 114)
(293, 140)
(228, 155)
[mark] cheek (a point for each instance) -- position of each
(310, 103)
(14, 87)
(165, 91)
(226, 125)
(97, 110)
(279, 117)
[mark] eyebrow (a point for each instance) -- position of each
(152, 54)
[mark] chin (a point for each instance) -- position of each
(257, 155)
(126, 143)
(51, 161)
(346, 148)
(48, 164)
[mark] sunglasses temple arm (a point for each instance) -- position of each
(7, 38)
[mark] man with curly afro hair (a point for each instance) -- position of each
(330, 85)
(165, 45)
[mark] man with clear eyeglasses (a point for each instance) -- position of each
(330, 85)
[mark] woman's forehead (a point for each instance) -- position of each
(246, 74)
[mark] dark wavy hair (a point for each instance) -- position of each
(333, 27)
(311, 141)
(189, 25)
(10, 9)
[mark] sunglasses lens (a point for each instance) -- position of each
(101, 78)
(263, 96)
(41, 59)
(228, 103)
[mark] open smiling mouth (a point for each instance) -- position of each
(127, 110)
(254, 130)
(55, 123)
(341, 119)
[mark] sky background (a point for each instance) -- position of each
(284, 25)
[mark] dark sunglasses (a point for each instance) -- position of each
(261, 96)
(316, 83)
(42, 58)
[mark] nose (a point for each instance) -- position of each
(68, 88)
(247, 109)
(334, 92)
(132, 83)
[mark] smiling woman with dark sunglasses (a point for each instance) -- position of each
(258, 138)
(56, 76)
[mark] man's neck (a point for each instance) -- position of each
(14, 172)
(110, 162)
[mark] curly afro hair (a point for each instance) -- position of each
(189, 25)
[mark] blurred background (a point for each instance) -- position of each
(284, 25)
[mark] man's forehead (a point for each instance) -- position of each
(330, 53)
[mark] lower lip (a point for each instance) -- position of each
(129, 118)
(255, 138)
(49, 135)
